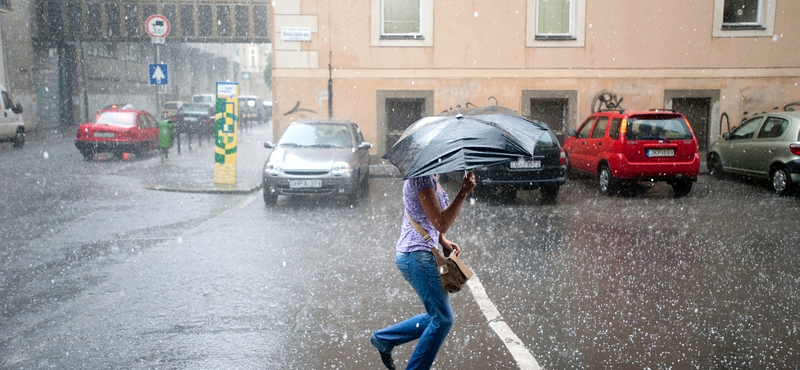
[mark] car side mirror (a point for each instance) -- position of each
(269, 145)
(726, 136)
(17, 109)
(364, 145)
(572, 133)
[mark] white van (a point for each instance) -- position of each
(206, 99)
(12, 128)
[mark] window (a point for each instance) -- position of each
(402, 23)
(556, 23)
(554, 18)
(744, 18)
(401, 18)
(586, 128)
(600, 128)
(773, 128)
(7, 101)
(746, 130)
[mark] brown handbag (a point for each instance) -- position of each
(452, 270)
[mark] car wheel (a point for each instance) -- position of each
(87, 154)
(19, 139)
(781, 181)
(549, 192)
(714, 164)
(606, 180)
(358, 192)
(682, 187)
(269, 199)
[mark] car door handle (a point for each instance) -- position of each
(583, 143)
(771, 150)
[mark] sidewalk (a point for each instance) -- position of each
(192, 171)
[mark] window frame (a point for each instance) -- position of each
(577, 35)
(763, 28)
(423, 39)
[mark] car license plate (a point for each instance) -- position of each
(299, 184)
(660, 152)
(104, 134)
(526, 163)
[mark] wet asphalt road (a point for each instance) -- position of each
(97, 272)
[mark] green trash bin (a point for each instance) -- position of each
(166, 137)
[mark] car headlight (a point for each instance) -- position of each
(340, 168)
(273, 168)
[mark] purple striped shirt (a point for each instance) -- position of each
(410, 240)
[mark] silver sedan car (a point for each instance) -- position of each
(766, 146)
(317, 156)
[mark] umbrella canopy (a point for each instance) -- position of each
(463, 139)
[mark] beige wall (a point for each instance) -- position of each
(635, 49)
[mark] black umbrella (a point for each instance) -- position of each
(463, 139)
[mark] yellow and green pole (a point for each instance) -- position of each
(226, 128)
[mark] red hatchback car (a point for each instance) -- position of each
(118, 131)
(630, 146)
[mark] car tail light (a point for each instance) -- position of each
(795, 148)
(562, 158)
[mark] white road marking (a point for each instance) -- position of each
(524, 359)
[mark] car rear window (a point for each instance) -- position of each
(125, 119)
(194, 109)
(547, 141)
(170, 106)
(323, 135)
(648, 128)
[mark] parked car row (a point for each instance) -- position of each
(617, 147)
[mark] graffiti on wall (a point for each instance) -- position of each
(298, 109)
(457, 94)
(606, 100)
(320, 94)
(791, 107)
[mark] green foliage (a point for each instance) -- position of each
(267, 73)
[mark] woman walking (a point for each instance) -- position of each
(428, 205)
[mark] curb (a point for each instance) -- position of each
(249, 191)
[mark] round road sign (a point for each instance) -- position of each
(157, 26)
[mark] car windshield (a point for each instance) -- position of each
(125, 119)
(674, 128)
(194, 108)
(318, 135)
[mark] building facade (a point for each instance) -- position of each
(390, 62)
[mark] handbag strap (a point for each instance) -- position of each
(422, 232)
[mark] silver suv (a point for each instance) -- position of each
(766, 146)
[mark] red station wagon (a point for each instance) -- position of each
(630, 146)
(118, 131)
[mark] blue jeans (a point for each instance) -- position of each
(419, 269)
